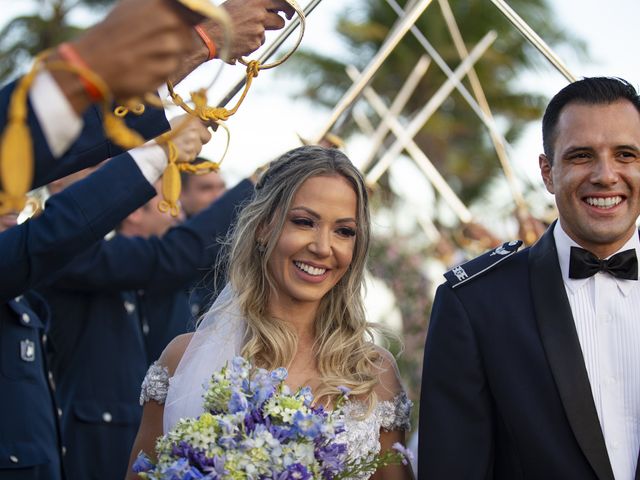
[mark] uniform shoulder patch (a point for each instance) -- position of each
(461, 274)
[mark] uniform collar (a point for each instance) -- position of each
(563, 246)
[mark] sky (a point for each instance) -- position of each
(270, 120)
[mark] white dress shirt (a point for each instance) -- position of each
(61, 126)
(606, 312)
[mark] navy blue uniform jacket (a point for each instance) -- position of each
(89, 149)
(31, 252)
(505, 392)
(100, 353)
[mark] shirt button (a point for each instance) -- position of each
(611, 380)
(107, 417)
(25, 318)
(13, 459)
(615, 445)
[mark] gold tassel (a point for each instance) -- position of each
(171, 184)
(16, 150)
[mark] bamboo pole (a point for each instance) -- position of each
(432, 105)
(398, 104)
(533, 38)
(405, 23)
(418, 156)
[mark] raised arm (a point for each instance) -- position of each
(161, 263)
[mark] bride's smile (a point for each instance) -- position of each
(317, 241)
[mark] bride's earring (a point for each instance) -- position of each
(261, 248)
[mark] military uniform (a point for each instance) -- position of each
(32, 252)
(505, 391)
(114, 309)
(90, 148)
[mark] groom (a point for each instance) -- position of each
(532, 361)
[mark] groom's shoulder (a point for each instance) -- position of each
(479, 266)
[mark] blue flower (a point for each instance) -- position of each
(279, 374)
(295, 471)
(142, 464)
(238, 402)
(307, 425)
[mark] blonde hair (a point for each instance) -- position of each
(343, 344)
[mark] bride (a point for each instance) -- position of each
(294, 299)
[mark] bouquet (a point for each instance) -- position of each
(254, 427)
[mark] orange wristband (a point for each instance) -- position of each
(207, 41)
(69, 54)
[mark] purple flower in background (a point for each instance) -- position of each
(408, 456)
(344, 390)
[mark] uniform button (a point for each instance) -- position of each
(63, 450)
(59, 413)
(13, 459)
(25, 318)
(141, 292)
(18, 298)
(145, 328)
(130, 307)
(52, 383)
(44, 338)
(106, 416)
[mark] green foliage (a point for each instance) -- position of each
(400, 267)
(24, 37)
(454, 138)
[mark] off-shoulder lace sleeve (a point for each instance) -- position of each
(396, 414)
(155, 384)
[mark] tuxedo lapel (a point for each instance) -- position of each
(562, 348)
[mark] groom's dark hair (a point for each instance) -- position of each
(590, 91)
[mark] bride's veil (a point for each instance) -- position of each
(216, 341)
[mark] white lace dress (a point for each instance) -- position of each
(361, 434)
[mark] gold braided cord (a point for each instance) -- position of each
(16, 144)
(171, 184)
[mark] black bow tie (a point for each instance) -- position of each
(584, 264)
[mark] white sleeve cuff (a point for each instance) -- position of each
(151, 160)
(59, 122)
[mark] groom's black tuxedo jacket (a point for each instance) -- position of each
(505, 392)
